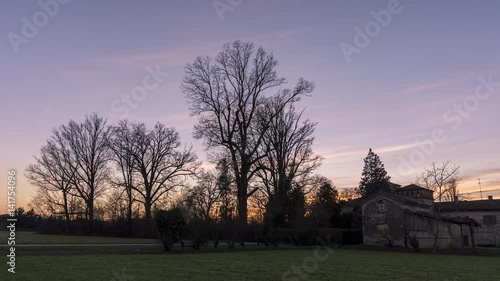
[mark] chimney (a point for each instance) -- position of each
(490, 197)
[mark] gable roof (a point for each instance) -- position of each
(476, 205)
(413, 187)
(403, 200)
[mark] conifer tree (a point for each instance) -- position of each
(374, 176)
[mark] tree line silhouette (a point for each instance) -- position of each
(94, 177)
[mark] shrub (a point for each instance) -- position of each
(170, 226)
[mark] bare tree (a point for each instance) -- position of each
(227, 94)
(160, 165)
(288, 160)
(452, 194)
(117, 206)
(347, 194)
(205, 195)
(121, 143)
(54, 177)
(438, 178)
(88, 155)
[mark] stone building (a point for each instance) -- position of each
(485, 212)
(395, 218)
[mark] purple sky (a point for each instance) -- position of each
(408, 83)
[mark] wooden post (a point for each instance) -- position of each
(405, 229)
(462, 235)
(472, 237)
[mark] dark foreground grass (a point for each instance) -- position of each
(269, 264)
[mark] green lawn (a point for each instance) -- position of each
(25, 237)
(150, 263)
(268, 264)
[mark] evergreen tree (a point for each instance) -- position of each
(325, 208)
(374, 176)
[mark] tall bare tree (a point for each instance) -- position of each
(438, 178)
(121, 143)
(54, 177)
(159, 163)
(227, 94)
(88, 154)
(288, 160)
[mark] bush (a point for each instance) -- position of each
(170, 226)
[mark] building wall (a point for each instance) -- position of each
(484, 235)
(423, 229)
(381, 226)
(377, 225)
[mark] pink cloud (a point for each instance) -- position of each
(187, 52)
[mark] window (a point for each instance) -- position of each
(381, 208)
(490, 219)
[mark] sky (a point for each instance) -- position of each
(417, 81)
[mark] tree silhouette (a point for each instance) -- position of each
(227, 95)
(374, 176)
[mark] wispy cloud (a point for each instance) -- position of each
(180, 54)
(170, 57)
(360, 152)
(435, 84)
(473, 175)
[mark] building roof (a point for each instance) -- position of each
(359, 201)
(404, 200)
(476, 205)
(394, 186)
(455, 220)
(413, 187)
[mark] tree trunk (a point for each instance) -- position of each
(66, 213)
(129, 213)
(90, 229)
(242, 209)
(147, 208)
(242, 197)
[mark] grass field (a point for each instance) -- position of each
(260, 265)
(149, 263)
(25, 237)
